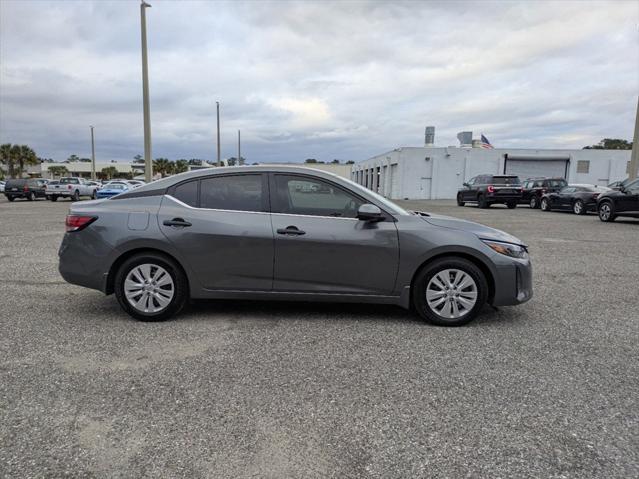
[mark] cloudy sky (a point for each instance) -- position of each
(321, 80)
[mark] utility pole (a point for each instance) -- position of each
(239, 148)
(148, 165)
(92, 155)
(219, 159)
(634, 156)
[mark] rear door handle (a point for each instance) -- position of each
(177, 222)
(291, 230)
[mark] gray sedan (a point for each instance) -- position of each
(286, 233)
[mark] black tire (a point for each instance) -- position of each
(534, 203)
(31, 196)
(606, 211)
(94, 196)
(460, 202)
(511, 205)
(76, 196)
(426, 274)
(53, 198)
(579, 208)
(545, 204)
(11, 198)
(181, 294)
(481, 202)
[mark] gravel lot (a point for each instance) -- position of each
(547, 389)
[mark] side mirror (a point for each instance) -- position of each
(465, 184)
(368, 212)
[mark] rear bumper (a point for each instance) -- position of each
(84, 259)
(502, 198)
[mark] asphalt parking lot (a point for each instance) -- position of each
(250, 389)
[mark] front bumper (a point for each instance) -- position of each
(513, 282)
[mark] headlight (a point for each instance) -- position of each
(509, 249)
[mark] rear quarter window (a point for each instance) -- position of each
(187, 193)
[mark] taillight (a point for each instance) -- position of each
(26, 188)
(77, 222)
(491, 189)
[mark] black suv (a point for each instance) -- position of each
(30, 188)
(486, 190)
(621, 202)
(535, 188)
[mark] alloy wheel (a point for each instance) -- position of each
(533, 202)
(578, 207)
(451, 293)
(605, 212)
(149, 288)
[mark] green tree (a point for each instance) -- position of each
(350, 162)
(611, 144)
(310, 160)
(138, 159)
(24, 156)
(163, 166)
(181, 166)
(109, 172)
(58, 170)
(7, 159)
(73, 158)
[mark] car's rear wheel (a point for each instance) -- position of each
(545, 204)
(31, 196)
(11, 198)
(449, 292)
(460, 202)
(53, 198)
(606, 212)
(76, 196)
(578, 208)
(151, 287)
(511, 205)
(94, 195)
(534, 203)
(482, 202)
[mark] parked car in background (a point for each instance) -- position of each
(621, 202)
(486, 190)
(70, 187)
(136, 183)
(97, 184)
(534, 188)
(576, 198)
(112, 189)
(2, 186)
(29, 188)
(250, 232)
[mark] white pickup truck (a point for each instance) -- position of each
(73, 188)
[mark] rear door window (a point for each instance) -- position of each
(237, 193)
(187, 192)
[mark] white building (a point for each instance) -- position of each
(437, 173)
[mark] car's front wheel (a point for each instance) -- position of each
(151, 287)
(460, 201)
(534, 203)
(578, 208)
(545, 204)
(76, 196)
(606, 212)
(450, 291)
(31, 196)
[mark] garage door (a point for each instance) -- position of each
(394, 192)
(532, 168)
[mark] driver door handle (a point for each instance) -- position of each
(177, 222)
(291, 231)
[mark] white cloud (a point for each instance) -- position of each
(315, 79)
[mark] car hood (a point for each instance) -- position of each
(484, 232)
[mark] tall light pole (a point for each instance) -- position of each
(92, 155)
(148, 166)
(634, 155)
(219, 159)
(239, 148)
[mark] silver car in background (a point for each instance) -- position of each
(286, 233)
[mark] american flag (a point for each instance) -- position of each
(485, 143)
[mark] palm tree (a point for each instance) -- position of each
(163, 166)
(109, 172)
(25, 156)
(6, 158)
(181, 166)
(58, 170)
